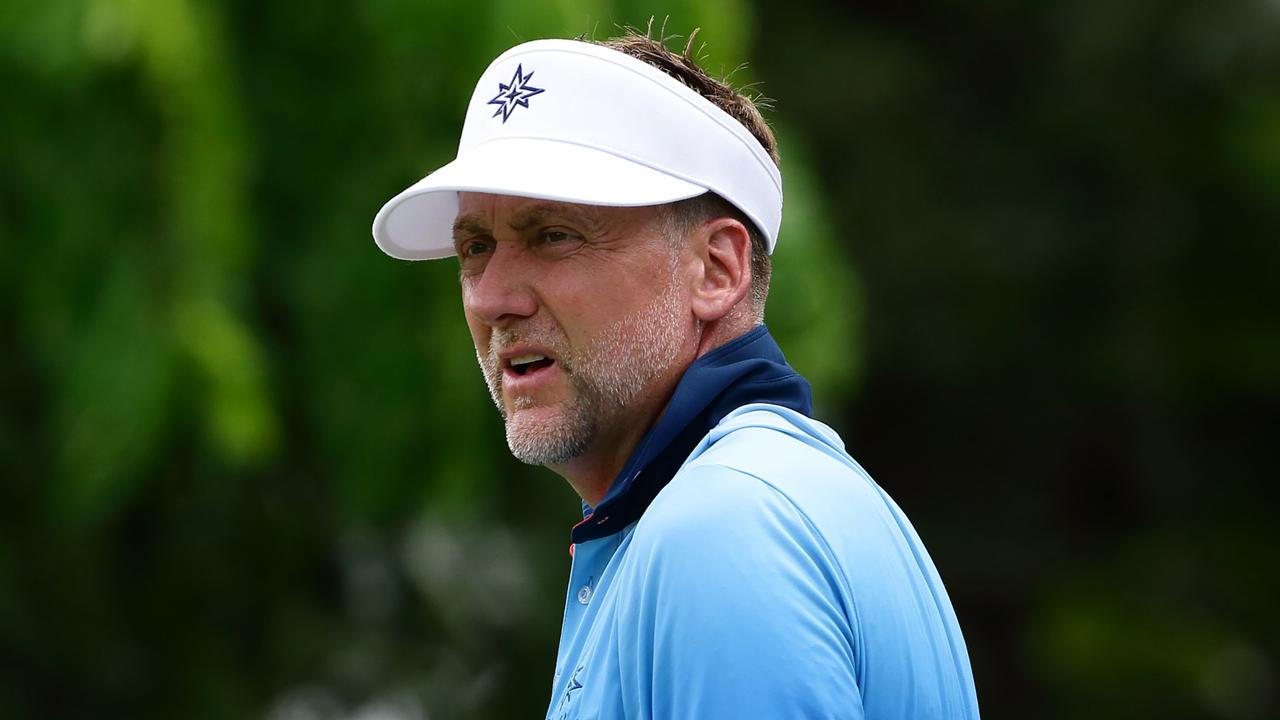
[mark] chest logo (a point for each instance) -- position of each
(565, 706)
(574, 684)
(515, 93)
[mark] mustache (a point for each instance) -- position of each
(546, 335)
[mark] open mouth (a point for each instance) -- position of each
(525, 364)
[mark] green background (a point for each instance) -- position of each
(248, 467)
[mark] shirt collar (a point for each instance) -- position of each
(750, 368)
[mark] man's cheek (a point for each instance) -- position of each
(480, 336)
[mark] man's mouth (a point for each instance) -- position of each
(529, 363)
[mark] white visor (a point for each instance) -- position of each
(575, 122)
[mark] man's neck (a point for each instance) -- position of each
(592, 473)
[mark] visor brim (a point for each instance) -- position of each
(417, 224)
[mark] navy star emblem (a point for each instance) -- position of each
(517, 92)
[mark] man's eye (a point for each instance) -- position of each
(472, 248)
(553, 236)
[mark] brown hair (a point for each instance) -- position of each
(744, 109)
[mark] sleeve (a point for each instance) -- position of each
(737, 610)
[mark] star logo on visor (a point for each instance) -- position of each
(517, 92)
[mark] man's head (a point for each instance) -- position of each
(613, 209)
(578, 314)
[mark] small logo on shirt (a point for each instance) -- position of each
(566, 701)
(573, 685)
(517, 92)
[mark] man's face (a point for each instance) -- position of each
(579, 322)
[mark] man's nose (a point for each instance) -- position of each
(503, 292)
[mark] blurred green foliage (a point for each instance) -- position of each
(248, 466)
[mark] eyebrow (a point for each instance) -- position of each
(469, 226)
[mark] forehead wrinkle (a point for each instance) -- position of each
(526, 217)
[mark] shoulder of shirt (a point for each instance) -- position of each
(762, 475)
(795, 455)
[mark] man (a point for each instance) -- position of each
(613, 209)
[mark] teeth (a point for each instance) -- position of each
(526, 359)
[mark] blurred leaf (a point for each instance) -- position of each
(240, 417)
(113, 402)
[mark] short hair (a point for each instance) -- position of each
(699, 209)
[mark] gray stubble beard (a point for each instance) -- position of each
(606, 375)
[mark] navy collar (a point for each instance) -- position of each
(748, 369)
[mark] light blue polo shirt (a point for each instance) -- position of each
(769, 578)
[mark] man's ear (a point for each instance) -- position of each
(723, 248)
